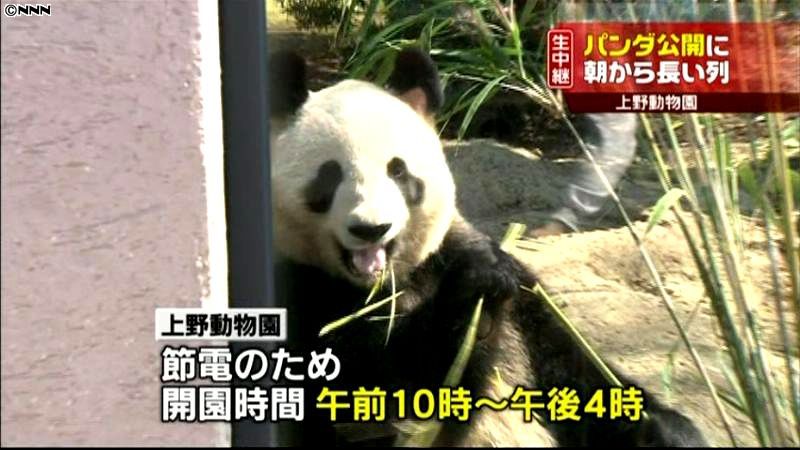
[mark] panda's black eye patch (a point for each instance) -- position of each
(413, 188)
(396, 168)
(319, 193)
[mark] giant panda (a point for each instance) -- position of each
(360, 184)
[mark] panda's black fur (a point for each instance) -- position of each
(519, 338)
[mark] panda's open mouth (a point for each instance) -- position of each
(369, 261)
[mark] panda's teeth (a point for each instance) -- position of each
(369, 260)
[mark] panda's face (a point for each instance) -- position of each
(360, 183)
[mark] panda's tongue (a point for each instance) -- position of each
(369, 260)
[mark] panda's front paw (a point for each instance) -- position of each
(486, 272)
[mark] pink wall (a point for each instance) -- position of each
(103, 217)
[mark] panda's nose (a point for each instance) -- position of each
(369, 232)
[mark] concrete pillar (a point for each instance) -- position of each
(106, 186)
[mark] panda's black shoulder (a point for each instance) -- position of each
(464, 244)
(469, 265)
(312, 296)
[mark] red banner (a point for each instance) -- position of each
(678, 67)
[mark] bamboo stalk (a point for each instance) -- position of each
(731, 263)
(666, 299)
(767, 215)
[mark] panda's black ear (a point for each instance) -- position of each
(287, 83)
(415, 80)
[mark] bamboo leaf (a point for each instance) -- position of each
(424, 41)
(385, 69)
(376, 287)
(794, 182)
(393, 306)
(368, 18)
(362, 68)
(666, 375)
(485, 93)
(513, 233)
(747, 179)
(453, 376)
(664, 204)
(338, 323)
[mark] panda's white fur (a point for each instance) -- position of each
(363, 147)
(442, 264)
